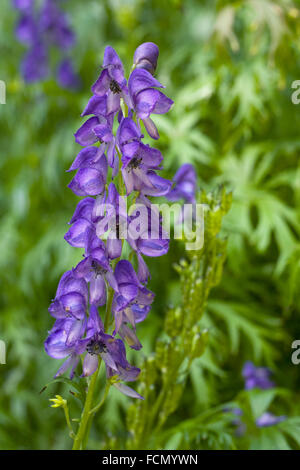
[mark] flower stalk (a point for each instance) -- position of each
(105, 280)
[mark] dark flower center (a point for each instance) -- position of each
(115, 87)
(96, 347)
(134, 163)
(99, 270)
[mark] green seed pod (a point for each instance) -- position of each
(173, 322)
(199, 343)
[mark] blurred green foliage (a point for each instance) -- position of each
(229, 67)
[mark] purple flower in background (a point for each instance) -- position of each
(257, 377)
(102, 222)
(66, 76)
(40, 28)
(23, 4)
(35, 64)
(268, 419)
(185, 184)
(27, 30)
(54, 25)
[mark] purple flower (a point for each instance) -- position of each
(66, 76)
(86, 157)
(23, 4)
(147, 99)
(185, 186)
(138, 161)
(113, 353)
(81, 223)
(90, 180)
(111, 83)
(71, 298)
(145, 57)
(268, 419)
(83, 210)
(26, 30)
(257, 377)
(54, 24)
(98, 129)
(64, 340)
(102, 221)
(35, 64)
(145, 233)
(110, 215)
(95, 269)
(131, 305)
(41, 28)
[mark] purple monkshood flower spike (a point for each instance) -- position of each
(54, 25)
(102, 221)
(40, 28)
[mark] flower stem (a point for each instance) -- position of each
(89, 412)
(80, 437)
(97, 407)
(67, 416)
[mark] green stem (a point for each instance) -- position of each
(67, 416)
(80, 437)
(87, 415)
(97, 407)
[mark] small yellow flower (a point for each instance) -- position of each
(58, 401)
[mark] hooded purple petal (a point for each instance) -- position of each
(146, 56)
(85, 134)
(87, 182)
(76, 234)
